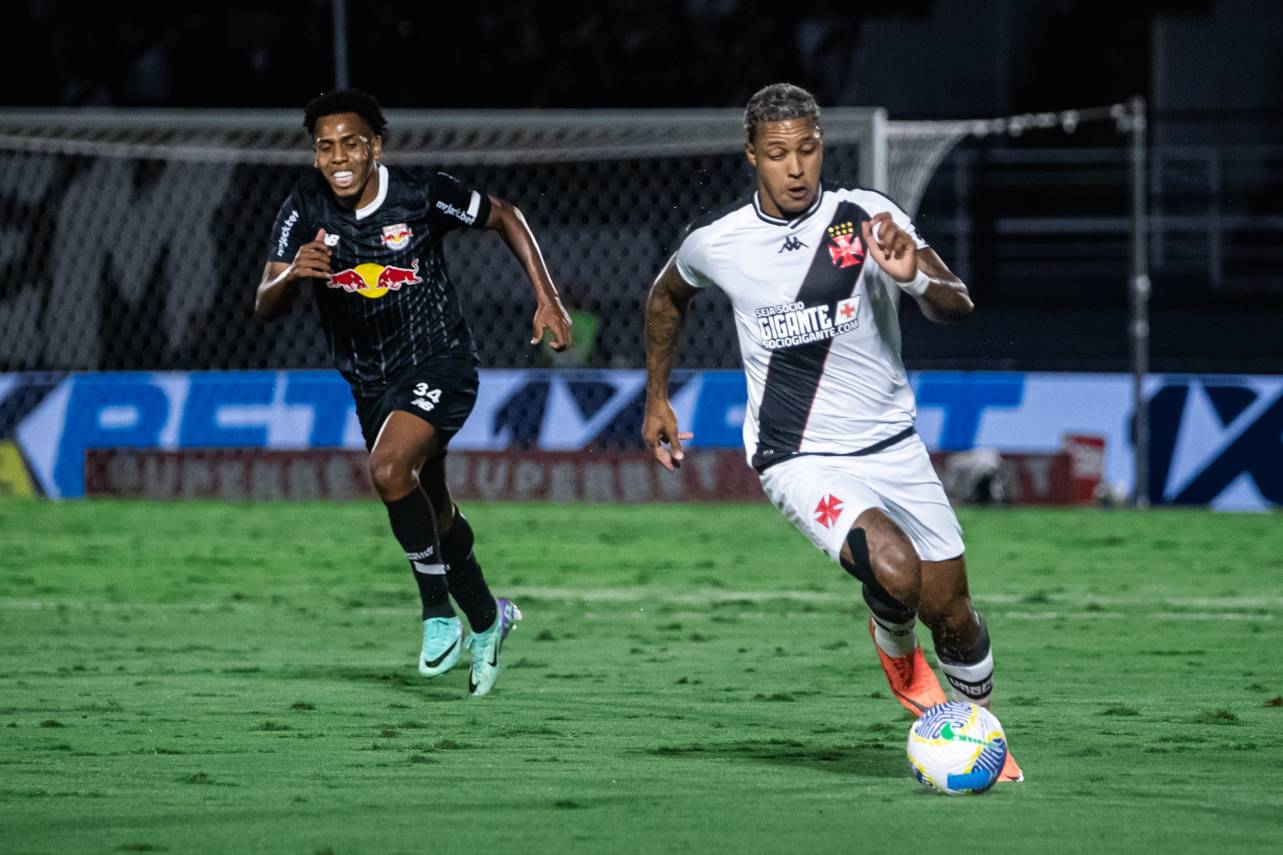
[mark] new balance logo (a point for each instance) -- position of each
(791, 243)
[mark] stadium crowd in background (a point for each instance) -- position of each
(562, 54)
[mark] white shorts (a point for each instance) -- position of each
(822, 496)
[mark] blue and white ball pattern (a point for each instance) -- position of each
(957, 748)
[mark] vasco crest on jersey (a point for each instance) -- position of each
(846, 249)
(397, 236)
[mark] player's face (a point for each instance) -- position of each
(787, 156)
(347, 153)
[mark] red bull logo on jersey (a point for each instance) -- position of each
(845, 247)
(791, 324)
(397, 236)
(374, 280)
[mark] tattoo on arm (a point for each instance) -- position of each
(666, 308)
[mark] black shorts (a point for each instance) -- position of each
(441, 391)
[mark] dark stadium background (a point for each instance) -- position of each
(1212, 73)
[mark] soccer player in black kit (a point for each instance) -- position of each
(369, 239)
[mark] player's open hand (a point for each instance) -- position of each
(312, 260)
(659, 430)
(554, 318)
(891, 247)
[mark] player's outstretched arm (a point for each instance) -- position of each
(507, 219)
(279, 285)
(921, 273)
(666, 308)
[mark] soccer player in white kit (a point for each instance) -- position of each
(815, 276)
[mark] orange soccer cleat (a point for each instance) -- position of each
(1010, 773)
(912, 681)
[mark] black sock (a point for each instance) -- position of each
(463, 573)
(969, 671)
(415, 525)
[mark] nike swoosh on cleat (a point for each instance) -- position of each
(906, 698)
(432, 663)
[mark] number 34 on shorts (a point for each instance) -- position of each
(425, 397)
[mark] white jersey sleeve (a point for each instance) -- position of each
(692, 259)
(876, 203)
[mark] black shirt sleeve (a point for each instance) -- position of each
(290, 231)
(454, 205)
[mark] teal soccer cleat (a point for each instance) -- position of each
(442, 639)
(486, 646)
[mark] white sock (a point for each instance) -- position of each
(972, 683)
(895, 639)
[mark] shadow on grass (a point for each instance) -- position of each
(867, 760)
(407, 680)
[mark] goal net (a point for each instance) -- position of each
(135, 239)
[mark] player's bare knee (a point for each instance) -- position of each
(899, 571)
(392, 477)
(855, 559)
(892, 557)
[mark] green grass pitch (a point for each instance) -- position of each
(240, 678)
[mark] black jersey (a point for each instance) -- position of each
(388, 304)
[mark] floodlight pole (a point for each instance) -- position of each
(1140, 290)
(338, 16)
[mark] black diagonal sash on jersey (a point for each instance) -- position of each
(793, 374)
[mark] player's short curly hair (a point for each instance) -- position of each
(779, 102)
(345, 101)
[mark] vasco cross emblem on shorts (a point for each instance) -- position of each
(828, 510)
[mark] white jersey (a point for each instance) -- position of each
(818, 323)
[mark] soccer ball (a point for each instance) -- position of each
(957, 748)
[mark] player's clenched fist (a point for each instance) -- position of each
(891, 247)
(659, 430)
(312, 260)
